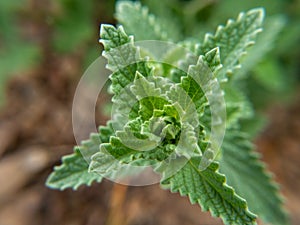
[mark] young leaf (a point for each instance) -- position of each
(168, 16)
(105, 164)
(123, 57)
(142, 88)
(233, 39)
(213, 59)
(128, 138)
(188, 143)
(208, 189)
(114, 157)
(238, 107)
(138, 21)
(74, 169)
(247, 174)
(165, 125)
(264, 43)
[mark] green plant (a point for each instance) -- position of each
(169, 122)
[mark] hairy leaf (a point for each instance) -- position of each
(264, 43)
(233, 40)
(138, 21)
(213, 59)
(74, 169)
(123, 57)
(248, 175)
(173, 125)
(168, 15)
(208, 189)
(238, 106)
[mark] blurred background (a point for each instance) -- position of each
(45, 46)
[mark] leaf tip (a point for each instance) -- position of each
(259, 12)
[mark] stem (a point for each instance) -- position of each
(116, 214)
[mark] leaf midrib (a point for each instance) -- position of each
(207, 180)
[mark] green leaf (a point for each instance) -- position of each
(143, 88)
(168, 15)
(128, 138)
(123, 57)
(183, 105)
(106, 165)
(167, 125)
(182, 68)
(190, 92)
(114, 157)
(188, 143)
(138, 21)
(248, 175)
(149, 95)
(202, 74)
(254, 126)
(73, 172)
(112, 37)
(149, 104)
(264, 43)
(115, 161)
(74, 169)
(208, 189)
(193, 89)
(233, 40)
(213, 59)
(238, 106)
(140, 99)
(271, 76)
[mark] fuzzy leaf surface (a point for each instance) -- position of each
(139, 21)
(248, 175)
(265, 42)
(123, 57)
(208, 189)
(74, 169)
(233, 40)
